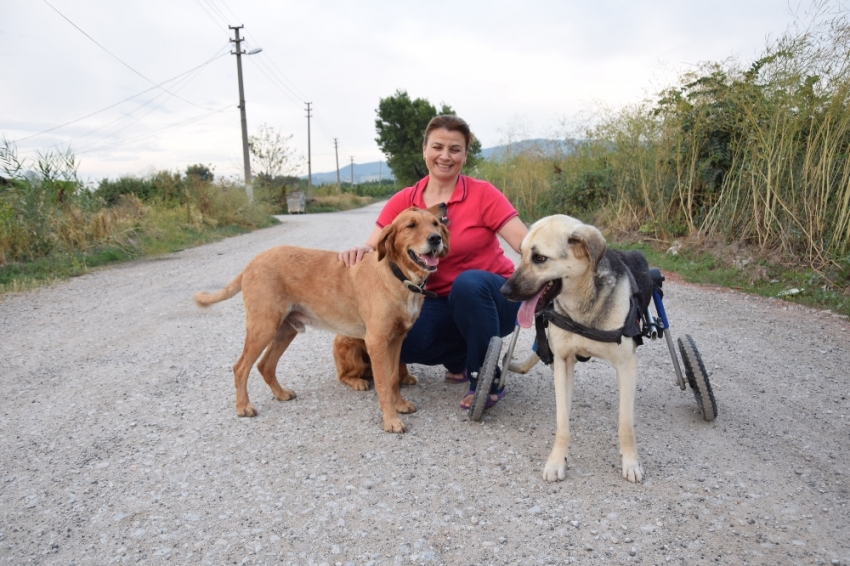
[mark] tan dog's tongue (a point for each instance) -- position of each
(525, 316)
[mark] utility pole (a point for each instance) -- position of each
(247, 160)
(338, 183)
(352, 172)
(309, 163)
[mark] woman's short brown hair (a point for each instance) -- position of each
(451, 123)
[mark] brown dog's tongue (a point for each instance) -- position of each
(525, 316)
(430, 260)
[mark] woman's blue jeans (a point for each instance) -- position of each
(455, 331)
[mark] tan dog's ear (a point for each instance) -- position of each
(386, 240)
(588, 241)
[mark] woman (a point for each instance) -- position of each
(455, 328)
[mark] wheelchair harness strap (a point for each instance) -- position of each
(631, 328)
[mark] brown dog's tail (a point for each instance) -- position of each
(205, 299)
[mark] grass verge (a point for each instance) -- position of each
(796, 284)
(18, 277)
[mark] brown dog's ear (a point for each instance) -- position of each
(588, 241)
(385, 241)
(441, 212)
(444, 232)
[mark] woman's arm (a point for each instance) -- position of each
(513, 232)
(352, 256)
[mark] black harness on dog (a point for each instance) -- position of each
(419, 289)
(630, 329)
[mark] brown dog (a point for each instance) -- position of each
(286, 288)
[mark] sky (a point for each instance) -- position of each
(133, 87)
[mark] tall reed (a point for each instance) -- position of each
(757, 153)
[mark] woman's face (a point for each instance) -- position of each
(444, 153)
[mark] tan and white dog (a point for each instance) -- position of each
(567, 264)
(286, 288)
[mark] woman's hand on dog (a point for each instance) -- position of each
(353, 255)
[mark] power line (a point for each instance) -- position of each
(217, 56)
(156, 132)
(288, 95)
(287, 84)
(325, 127)
(216, 10)
(212, 17)
(262, 61)
(135, 121)
(267, 67)
(228, 9)
(262, 66)
(284, 80)
(118, 59)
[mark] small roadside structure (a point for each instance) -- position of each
(296, 202)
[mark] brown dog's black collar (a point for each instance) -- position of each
(419, 289)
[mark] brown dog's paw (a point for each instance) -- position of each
(285, 395)
(356, 383)
(404, 377)
(394, 425)
(403, 406)
(408, 379)
(247, 411)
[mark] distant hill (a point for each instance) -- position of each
(543, 146)
(365, 172)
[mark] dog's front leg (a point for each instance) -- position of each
(524, 366)
(385, 366)
(627, 381)
(564, 374)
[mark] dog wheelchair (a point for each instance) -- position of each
(652, 327)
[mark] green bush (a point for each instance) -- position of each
(164, 186)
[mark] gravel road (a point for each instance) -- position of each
(119, 440)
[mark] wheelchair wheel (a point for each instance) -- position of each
(485, 378)
(698, 378)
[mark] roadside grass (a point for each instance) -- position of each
(335, 203)
(165, 239)
(794, 284)
(159, 231)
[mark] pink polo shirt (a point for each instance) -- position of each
(476, 211)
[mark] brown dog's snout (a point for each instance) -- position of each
(434, 240)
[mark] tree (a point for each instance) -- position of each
(270, 152)
(202, 172)
(400, 125)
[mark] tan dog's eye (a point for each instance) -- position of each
(538, 259)
(412, 225)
